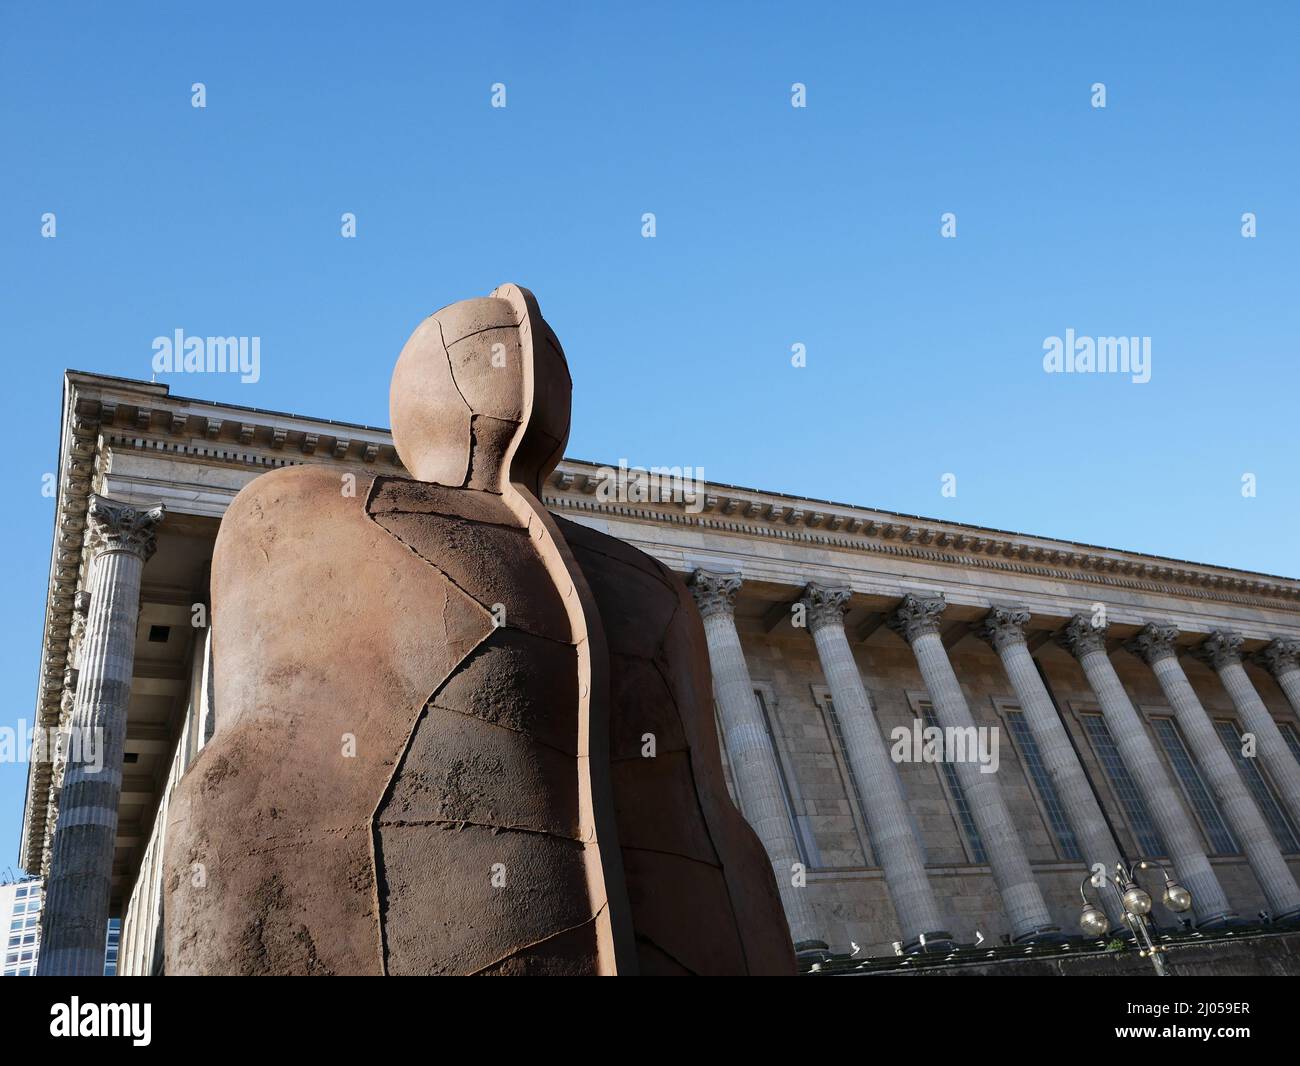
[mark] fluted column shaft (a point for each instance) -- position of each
(917, 621)
(1003, 628)
(893, 838)
(1155, 645)
(1222, 651)
(753, 759)
(1088, 643)
(75, 915)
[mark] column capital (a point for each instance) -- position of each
(916, 616)
(1003, 626)
(116, 526)
(1221, 648)
(825, 604)
(1279, 656)
(714, 592)
(1080, 636)
(1153, 642)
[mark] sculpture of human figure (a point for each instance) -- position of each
(456, 734)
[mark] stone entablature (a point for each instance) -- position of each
(1031, 557)
(134, 441)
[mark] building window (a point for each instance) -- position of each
(958, 794)
(1263, 794)
(1122, 784)
(786, 796)
(854, 791)
(114, 939)
(1198, 796)
(1023, 738)
(738, 796)
(1292, 738)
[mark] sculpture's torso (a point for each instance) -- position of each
(399, 782)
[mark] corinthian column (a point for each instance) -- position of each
(75, 917)
(884, 805)
(1004, 629)
(753, 760)
(1281, 658)
(917, 621)
(1222, 651)
(1155, 645)
(1088, 644)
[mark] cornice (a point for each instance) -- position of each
(244, 440)
(932, 544)
(78, 469)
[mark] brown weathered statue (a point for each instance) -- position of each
(432, 698)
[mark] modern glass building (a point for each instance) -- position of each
(20, 910)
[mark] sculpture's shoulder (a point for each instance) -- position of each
(400, 495)
(293, 482)
(292, 502)
(646, 609)
(620, 555)
(311, 503)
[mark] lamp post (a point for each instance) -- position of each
(1136, 902)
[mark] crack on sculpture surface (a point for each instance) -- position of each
(517, 952)
(477, 741)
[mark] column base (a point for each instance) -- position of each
(1290, 918)
(811, 950)
(1047, 934)
(1226, 920)
(938, 941)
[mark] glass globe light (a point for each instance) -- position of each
(1177, 898)
(1136, 901)
(1093, 921)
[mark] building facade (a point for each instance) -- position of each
(20, 912)
(1112, 704)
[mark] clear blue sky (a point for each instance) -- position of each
(776, 226)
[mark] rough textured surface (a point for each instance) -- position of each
(702, 893)
(431, 700)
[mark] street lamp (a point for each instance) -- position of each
(1136, 902)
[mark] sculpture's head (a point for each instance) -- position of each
(481, 393)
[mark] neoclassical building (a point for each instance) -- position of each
(1134, 706)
